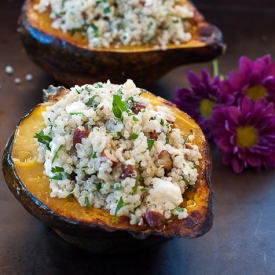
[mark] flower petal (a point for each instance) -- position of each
(253, 160)
(245, 65)
(225, 145)
(254, 78)
(246, 105)
(237, 80)
(237, 165)
(194, 80)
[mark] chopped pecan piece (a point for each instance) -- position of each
(154, 220)
(79, 135)
(136, 107)
(189, 146)
(109, 155)
(127, 171)
(169, 118)
(153, 135)
(165, 160)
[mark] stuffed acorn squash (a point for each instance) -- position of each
(68, 57)
(127, 170)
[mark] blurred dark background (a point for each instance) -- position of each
(242, 239)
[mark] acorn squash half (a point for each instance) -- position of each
(68, 59)
(94, 229)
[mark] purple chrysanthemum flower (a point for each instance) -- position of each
(201, 99)
(246, 134)
(255, 80)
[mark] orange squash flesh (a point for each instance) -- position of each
(30, 172)
(93, 229)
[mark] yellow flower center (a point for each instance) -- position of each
(247, 136)
(256, 92)
(206, 108)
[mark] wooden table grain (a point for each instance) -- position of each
(242, 240)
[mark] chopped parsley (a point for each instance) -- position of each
(93, 155)
(150, 143)
(57, 169)
(96, 33)
(98, 186)
(86, 202)
(119, 106)
(134, 136)
(120, 204)
(134, 188)
(75, 113)
(56, 153)
(179, 209)
(190, 187)
(185, 139)
(117, 188)
(141, 180)
(70, 195)
(91, 101)
(57, 177)
(41, 138)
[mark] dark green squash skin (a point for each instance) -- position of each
(72, 65)
(98, 238)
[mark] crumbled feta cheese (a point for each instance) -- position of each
(165, 192)
(76, 107)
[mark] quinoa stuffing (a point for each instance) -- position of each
(121, 22)
(108, 147)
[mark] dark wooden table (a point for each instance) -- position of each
(242, 240)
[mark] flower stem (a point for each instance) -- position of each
(215, 67)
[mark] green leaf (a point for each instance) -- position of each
(117, 188)
(119, 134)
(98, 186)
(141, 180)
(57, 177)
(75, 113)
(117, 112)
(118, 102)
(56, 153)
(86, 202)
(91, 100)
(133, 136)
(107, 10)
(57, 169)
(143, 189)
(190, 187)
(179, 209)
(150, 143)
(167, 139)
(185, 139)
(162, 122)
(93, 155)
(120, 204)
(98, 84)
(134, 188)
(41, 138)
(71, 194)
(118, 106)
(135, 118)
(95, 30)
